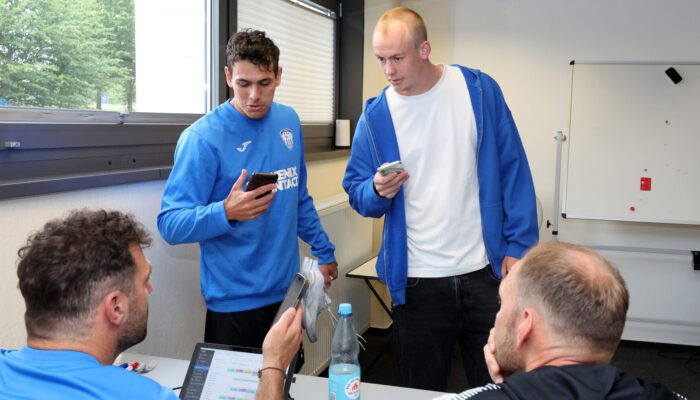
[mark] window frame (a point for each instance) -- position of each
(46, 151)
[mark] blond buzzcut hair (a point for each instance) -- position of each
(410, 19)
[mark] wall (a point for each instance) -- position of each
(527, 47)
(176, 306)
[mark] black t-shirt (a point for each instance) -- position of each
(588, 382)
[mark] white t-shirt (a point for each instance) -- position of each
(436, 133)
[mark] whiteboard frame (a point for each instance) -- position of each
(563, 167)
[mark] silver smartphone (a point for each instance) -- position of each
(295, 292)
(392, 167)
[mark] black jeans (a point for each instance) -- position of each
(243, 328)
(438, 313)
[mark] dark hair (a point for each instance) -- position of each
(253, 46)
(70, 264)
(583, 293)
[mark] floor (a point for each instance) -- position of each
(678, 367)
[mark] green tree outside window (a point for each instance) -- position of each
(67, 53)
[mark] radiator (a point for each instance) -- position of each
(352, 236)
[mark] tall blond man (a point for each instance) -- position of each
(459, 216)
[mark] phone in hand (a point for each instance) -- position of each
(261, 179)
(295, 292)
(392, 167)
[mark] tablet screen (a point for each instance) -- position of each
(222, 372)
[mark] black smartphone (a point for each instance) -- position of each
(261, 179)
(294, 294)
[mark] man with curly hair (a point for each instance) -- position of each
(86, 283)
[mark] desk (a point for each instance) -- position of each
(171, 373)
(368, 272)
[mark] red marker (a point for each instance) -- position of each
(132, 366)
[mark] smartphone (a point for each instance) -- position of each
(295, 292)
(261, 179)
(395, 166)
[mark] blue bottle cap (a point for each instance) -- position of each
(345, 309)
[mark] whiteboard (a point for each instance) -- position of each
(631, 128)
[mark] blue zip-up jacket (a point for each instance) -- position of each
(506, 192)
(244, 264)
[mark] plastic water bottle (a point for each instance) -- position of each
(344, 372)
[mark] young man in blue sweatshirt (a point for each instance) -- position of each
(461, 213)
(248, 240)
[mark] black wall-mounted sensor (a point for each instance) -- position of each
(674, 75)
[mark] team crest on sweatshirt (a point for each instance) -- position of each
(287, 137)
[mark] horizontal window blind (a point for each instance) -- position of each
(306, 40)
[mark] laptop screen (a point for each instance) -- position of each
(222, 372)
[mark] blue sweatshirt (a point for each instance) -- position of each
(65, 374)
(244, 265)
(506, 192)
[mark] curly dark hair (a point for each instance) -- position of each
(255, 47)
(70, 264)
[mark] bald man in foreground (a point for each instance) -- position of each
(563, 309)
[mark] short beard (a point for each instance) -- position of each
(506, 353)
(134, 332)
(130, 339)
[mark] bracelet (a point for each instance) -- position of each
(284, 375)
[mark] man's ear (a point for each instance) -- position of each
(524, 327)
(424, 50)
(229, 76)
(116, 307)
(278, 78)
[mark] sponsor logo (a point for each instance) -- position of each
(287, 137)
(287, 178)
(244, 146)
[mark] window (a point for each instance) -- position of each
(306, 32)
(307, 53)
(97, 92)
(113, 55)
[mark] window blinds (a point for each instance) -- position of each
(306, 40)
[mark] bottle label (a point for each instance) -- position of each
(344, 382)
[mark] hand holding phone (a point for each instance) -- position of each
(261, 179)
(389, 178)
(294, 294)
